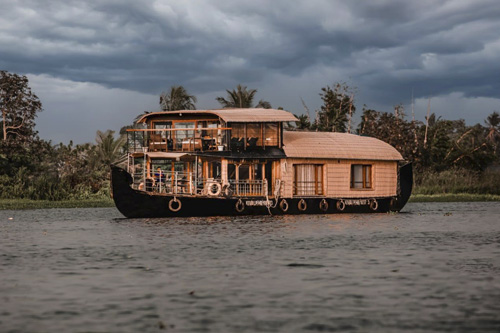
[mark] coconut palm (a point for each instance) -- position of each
(241, 98)
(177, 99)
(108, 150)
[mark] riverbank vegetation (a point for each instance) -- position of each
(450, 158)
(16, 204)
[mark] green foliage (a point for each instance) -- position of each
(18, 106)
(304, 123)
(40, 171)
(338, 107)
(450, 197)
(242, 98)
(177, 99)
(457, 180)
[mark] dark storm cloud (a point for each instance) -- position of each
(386, 48)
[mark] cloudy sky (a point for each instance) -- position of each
(97, 64)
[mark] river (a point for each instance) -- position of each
(433, 267)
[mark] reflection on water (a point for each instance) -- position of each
(434, 267)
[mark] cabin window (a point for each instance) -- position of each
(308, 179)
(271, 134)
(361, 176)
(182, 137)
(254, 135)
(237, 135)
(162, 126)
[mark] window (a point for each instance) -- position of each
(361, 176)
(308, 179)
(271, 134)
(254, 133)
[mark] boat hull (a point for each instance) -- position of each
(140, 204)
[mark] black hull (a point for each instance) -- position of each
(138, 204)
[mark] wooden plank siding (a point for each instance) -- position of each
(337, 177)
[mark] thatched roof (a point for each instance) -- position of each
(233, 115)
(337, 146)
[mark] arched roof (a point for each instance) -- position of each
(337, 146)
(233, 115)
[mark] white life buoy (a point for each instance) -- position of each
(173, 202)
(340, 205)
(213, 189)
(373, 204)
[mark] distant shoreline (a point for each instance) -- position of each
(21, 204)
(454, 197)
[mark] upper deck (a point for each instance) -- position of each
(209, 130)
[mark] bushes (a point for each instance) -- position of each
(457, 180)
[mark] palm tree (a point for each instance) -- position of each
(177, 99)
(108, 150)
(241, 98)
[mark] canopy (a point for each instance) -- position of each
(232, 115)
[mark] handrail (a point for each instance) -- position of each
(177, 129)
(186, 183)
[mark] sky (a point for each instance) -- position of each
(95, 65)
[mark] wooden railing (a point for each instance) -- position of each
(177, 139)
(186, 183)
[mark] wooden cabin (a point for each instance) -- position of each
(247, 153)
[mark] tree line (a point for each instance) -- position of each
(37, 169)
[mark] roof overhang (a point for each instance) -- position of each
(165, 155)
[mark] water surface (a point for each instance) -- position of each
(433, 268)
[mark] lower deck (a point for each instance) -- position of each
(219, 176)
(204, 198)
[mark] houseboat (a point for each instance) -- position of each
(244, 161)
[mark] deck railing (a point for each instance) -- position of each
(248, 188)
(186, 183)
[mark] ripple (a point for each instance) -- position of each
(91, 270)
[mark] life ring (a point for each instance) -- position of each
(340, 205)
(323, 205)
(213, 189)
(284, 205)
(374, 204)
(171, 206)
(302, 205)
(240, 206)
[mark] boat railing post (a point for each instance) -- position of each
(196, 174)
(160, 177)
(175, 182)
(191, 183)
(144, 151)
(264, 187)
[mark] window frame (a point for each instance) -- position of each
(319, 180)
(364, 186)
